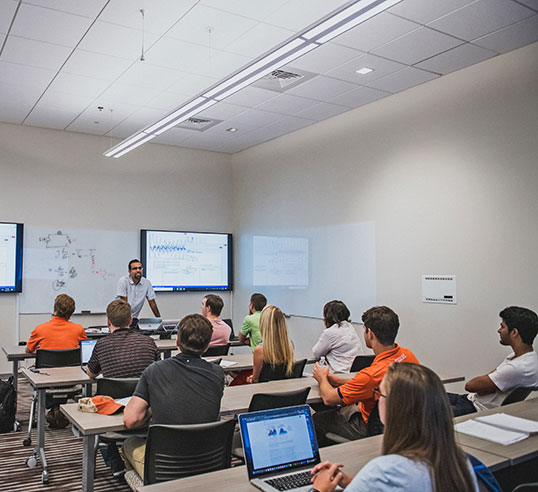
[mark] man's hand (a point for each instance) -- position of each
(320, 373)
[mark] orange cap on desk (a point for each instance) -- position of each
(106, 404)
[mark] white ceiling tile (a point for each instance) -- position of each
(172, 53)
(359, 97)
(299, 14)
(287, 104)
(322, 111)
(139, 119)
(380, 67)
(322, 88)
(254, 117)
(288, 124)
(49, 25)
(174, 136)
(251, 96)
(34, 53)
(167, 101)
(424, 11)
(134, 94)
(64, 102)
(254, 9)
(13, 112)
(220, 64)
(25, 95)
(96, 65)
(115, 40)
(222, 111)
(210, 27)
(417, 45)
(106, 119)
(147, 75)
(7, 11)
(533, 4)
(376, 31)
(24, 75)
(326, 58)
(258, 40)
(511, 37)
(480, 18)
(2, 37)
(404, 79)
(159, 15)
(455, 59)
(47, 117)
(191, 84)
(80, 7)
(78, 85)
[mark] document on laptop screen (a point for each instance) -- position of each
(280, 440)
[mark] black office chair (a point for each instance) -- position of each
(518, 394)
(217, 350)
(278, 371)
(526, 487)
(176, 451)
(45, 358)
(230, 324)
(361, 362)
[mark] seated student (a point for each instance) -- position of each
(184, 389)
(339, 342)
(380, 329)
(276, 349)
(250, 331)
(57, 334)
(519, 327)
(211, 308)
(419, 451)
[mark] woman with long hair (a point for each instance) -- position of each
(339, 342)
(419, 450)
(276, 348)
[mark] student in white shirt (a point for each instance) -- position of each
(518, 329)
(419, 451)
(339, 342)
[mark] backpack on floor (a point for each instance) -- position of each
(8, 405)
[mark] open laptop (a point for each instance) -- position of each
(280, 448)
(86, 349)
(149, 324)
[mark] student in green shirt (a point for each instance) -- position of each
(250, 331)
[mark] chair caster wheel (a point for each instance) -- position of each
(45, 476)
(31, 462)
(27, 442)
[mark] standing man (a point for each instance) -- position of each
(211, 308)
(250, 332)
(518, 329)
(134, 288)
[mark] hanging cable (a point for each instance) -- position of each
(142, 58)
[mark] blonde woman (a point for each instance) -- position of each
(419, 450)
(276, 350)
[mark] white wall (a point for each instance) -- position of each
(449, 173)
(59, 179)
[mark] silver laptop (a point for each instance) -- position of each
(86, 350)
(280, 448)
(149, 324)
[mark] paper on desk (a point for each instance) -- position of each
(490, 432)
(227, 363)
(123, 401)
(510, 422)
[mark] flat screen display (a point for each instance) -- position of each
(11, 257)
(183, 261)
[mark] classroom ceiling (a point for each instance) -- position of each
(62, 60)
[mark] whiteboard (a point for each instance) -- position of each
(85, 264)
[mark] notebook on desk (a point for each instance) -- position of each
(280, 448)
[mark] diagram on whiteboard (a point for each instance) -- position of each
(81, 263)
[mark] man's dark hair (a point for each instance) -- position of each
(64, 306)
(335, 312)
(258, 301)
(522, 319)
(215, 303)
(384, 322)
(119, 313)
(194, 334)
(134, 260)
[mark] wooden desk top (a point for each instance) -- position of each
(56, 376)
(17, 352)
(517, 452)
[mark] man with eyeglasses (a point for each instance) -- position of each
(358, 394)
(135, 289)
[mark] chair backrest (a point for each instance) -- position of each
(176, 451)
(361, 361)
(217, 350)
(374, 425)
(231, 325)
(278, 371)
(116, 387)
(268, 401)
(518, 394)
(57, 358)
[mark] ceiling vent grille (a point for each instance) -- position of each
(282, 80)
(198, 124)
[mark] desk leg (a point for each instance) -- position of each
(39, 451)
(88, 462)
(167, 354)
(17, 424)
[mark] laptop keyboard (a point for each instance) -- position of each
(290, 482)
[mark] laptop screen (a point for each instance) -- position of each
(278, 440)
(86, 349)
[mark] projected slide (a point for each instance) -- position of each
(9, 263)
(281, 261)
(279, 441)
(187, 260)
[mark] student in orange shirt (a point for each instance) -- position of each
(59, 333)
(380, 329)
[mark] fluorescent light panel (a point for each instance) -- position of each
(135, 145)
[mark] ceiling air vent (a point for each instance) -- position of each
(282, 80)
(198, 124)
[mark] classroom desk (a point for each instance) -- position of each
(515, 453)
(234, 401)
